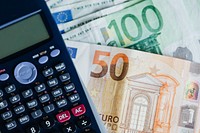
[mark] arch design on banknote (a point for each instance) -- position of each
(159, 92)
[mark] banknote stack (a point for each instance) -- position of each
(139, 60)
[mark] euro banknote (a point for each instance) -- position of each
(154, 26)
(56, 3)
(88, 18)
(139, 92)
(66, 13)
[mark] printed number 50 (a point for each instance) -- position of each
(113, 64)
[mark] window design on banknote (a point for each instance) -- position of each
(187, 116)
(139, 112)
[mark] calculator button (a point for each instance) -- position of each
(32, 103)
(36, 114)
(78, 110)
(69, 128)
(19, 109)
(11, 125)
(84, 122)
(55, 53)
(10, 88)
(44, 98)
(27, 93)
(33, 129)
(60, 67)
(48, 123)
(24, 119)
(4, 77)
(61, 103)
(25, 72)
(40, 88)
(63, 116)
(57, 92)
(3, 104)
(73, 98)
(14, 99)
(64, 77)
(69, 87)
(52, 82)
(6, 115)
(49, 108)
(48, 72)
(43, 59)
(1, 93)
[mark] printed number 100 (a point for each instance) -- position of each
(113, 24)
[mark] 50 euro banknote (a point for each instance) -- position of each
(139, 92)
(151, 25)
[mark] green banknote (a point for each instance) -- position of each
(139, 92)
(67, 13)
(101, 13)
(154, 26)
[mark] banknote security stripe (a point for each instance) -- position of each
(63, 16)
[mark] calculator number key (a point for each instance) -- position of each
(33, 129)
(48, 123)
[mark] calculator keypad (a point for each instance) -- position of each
(50, 102)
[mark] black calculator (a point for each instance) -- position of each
(40, 90)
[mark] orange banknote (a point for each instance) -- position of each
(138, 92)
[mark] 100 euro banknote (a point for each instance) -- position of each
(88, 18)
(138, 92)
(154, 26)
(66, 13)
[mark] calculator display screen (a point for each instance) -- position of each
(21, 35)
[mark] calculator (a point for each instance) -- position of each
(40, 90)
